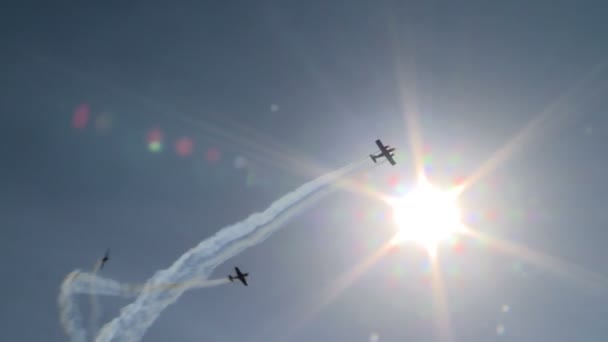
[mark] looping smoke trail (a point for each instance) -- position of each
(194, 265)
(200, 261)
(94, 302)
(69, 315)
(79, 282)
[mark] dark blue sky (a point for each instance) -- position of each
(285, 90)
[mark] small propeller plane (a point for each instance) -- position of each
(105, 258)
(240, 276)
(385, 151)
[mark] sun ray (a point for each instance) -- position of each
(440, 304)
(338, 286)
(426, 216)
(262, 149)
(533, 126)
(563, 268)
(405, 71)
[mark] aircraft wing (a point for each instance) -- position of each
(244, 281)
(381, 146)
(387, 153)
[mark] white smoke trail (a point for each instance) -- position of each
(190, 271)
(95, 309)
(200, 261)
(69, 315)
(79, 282)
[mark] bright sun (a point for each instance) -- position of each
(426, 216)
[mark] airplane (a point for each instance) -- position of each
(240, 276)
(105, 258)
(385, 151)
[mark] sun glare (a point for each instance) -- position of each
(426, 216)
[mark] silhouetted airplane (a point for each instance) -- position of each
(385, 151)
(105, 258)
(240, 276)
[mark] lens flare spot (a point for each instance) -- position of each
(393, 181)
(213, 155)
(374, 337)
(458, 181)
(401, 189)
(500, 329)
(473, 217)
(154, 139)
(103, 122)
(184, 146)
(394, 249)
(458, 247)
(154, 135)
(240, 162)
(426, 267)
(80, 119)
(427, 159)
(491, 215)
(155, 147)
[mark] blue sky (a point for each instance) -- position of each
(272, 94)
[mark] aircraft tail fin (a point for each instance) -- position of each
(231, 278)
(373, 157)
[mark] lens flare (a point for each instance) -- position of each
(213, 155)
(184, 146)
(154, 138)
(81, 116)
(426, 216)
(155, 147)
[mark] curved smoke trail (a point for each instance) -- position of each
(94, 302)
(200, 261)
(69, 315)
(78, 282)
(197, 263)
